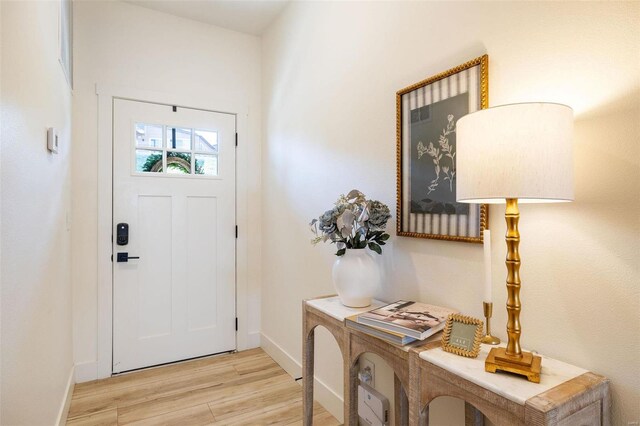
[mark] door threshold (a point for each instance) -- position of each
(232, 351)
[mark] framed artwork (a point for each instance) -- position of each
(462, 335)
(426, 118)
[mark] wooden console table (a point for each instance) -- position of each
(565, 396)
(330, 313)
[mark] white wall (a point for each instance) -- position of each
(118, 44)
(1, 120)
(330, 73)
(35, 187)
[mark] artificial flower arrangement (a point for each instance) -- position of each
(354, 223)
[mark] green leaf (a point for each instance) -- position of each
(375, 247)
(341, 252)
(384, 237)
(381, 243)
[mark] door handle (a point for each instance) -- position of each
(124, 257)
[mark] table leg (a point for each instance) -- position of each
(307, 375)
(350, 394)
(417, 417)
(401, 403)
(424, 417)
(472, 416)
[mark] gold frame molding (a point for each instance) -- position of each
(483, 62)
(477, 339)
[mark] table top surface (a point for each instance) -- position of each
(515, 388)
(334, 308)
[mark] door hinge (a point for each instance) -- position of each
(236, 323)
(236, 231)
(236, 139)
(111, 258)
(175, 108)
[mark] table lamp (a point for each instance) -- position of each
(509, 154)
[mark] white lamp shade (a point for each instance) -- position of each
(521, 151)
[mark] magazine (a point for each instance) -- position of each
(389, 336)
(414, 319)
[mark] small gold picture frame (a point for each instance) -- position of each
(462, 335)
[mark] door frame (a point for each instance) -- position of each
(106, 96)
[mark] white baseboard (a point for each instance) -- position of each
(327, 397)
(86, 371)
(66, 402)
(279, 355)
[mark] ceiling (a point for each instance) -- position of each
(247, 16)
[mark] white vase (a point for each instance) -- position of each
(356, 277)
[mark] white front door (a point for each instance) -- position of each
(174, 273)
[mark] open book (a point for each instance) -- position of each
(414, 319)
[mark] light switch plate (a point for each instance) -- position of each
(52, 140)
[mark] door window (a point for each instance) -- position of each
(174, 150)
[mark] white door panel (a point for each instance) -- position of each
(176, 301)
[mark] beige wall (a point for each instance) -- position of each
(123, 45)
(330, 73)
(35, 186)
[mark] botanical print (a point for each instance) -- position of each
(427, 113)
(449, 171)
(433, 156)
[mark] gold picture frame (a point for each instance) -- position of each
(462, 335)
(425, 113)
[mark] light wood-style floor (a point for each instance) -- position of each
(246, 388)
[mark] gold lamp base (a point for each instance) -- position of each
(528, 365)
(517, 361)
